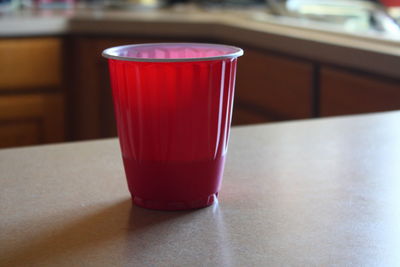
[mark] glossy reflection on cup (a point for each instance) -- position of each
(173, 106)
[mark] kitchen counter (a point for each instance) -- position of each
(305, 193)
(371, 52)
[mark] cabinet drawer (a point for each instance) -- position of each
(30, 63)
(19, 133)
(31, 119)
(344, 92)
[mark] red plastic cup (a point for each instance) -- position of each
(173, 106)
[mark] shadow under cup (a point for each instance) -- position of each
(173, 106)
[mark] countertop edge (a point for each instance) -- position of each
(359, 52)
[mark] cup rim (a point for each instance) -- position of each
(110, 53)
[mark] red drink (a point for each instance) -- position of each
(173, 105)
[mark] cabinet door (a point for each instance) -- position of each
(19, 133)
(343, 92)
(31, 119)
(274, 87)
(28, 63)
(243, 115)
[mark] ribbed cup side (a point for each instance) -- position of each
(173, 111)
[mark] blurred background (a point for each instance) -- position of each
(303, 59)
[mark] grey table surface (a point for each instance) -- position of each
(305, 193)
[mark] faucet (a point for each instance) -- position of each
(278, 7)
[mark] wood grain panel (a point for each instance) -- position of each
(19, 107)
(45, 110)
(53, 118)
(19, 133)
(243, 116)
(275, 83)
(343, 92)
(30, 63)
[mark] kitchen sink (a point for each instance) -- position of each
(349, 16)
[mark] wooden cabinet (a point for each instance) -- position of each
(19, 133)
(243, 115)
(31, 91)
(344, 92)
(271, 87)
(31, 119)
(29, 63)
(39, 105)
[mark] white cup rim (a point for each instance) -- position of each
(114, 52)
